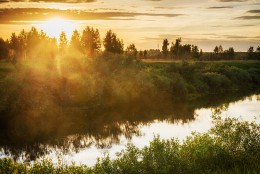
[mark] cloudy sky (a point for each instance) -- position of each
(146, 23)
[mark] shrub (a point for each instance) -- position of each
(216, 82)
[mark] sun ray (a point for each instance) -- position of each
(54, 26)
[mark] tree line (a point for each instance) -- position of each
(36, 44)
(180, 51)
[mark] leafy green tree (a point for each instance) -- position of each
(90, 40)
(112, 43)
(165, 49)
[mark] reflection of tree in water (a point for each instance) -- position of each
(43, 111)
(101, 128)
(32, 136)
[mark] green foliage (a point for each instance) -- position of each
(85, 88)
(216, 82)
(231, 146)
(112, 43)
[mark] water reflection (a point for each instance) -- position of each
(29, 138)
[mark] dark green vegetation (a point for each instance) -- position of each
(70, 96)
(229, 147)
(103, 98)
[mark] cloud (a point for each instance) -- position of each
(253, 11)
(248, 17)
(220, 7)
(3, 1)
(232, 26)
(226, 36)
(232, 0)
(36, 14)
(58, 1)
(168, 8)
(241, 37)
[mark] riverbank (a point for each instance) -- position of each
(47, 100)
(220, 150)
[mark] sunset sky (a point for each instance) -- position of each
(146, 23)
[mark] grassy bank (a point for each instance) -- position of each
(42, 101)
(230, 146)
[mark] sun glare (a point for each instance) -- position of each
(55, 26)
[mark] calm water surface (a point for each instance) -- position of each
(110, 133)
(247, 109)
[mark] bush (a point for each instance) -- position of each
(230, 146)
(216, 82)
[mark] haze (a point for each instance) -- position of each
(146, 23)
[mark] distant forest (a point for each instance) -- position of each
(36, 44)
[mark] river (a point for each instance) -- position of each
(110, 133)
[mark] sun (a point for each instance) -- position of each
(53, 27)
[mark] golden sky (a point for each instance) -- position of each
(146, 23)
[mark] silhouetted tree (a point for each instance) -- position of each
(91, 41)
(216, 50)
(33, 39)
(201, 52)
(165, 49)
(23, 42)
(145, 53)
(231, 53)
(220, 49)
(175, 49)
(112, 43)
(251, 49)
(14, 48)
(195, 51)
(75, 41)
(141, 54)
(131, 50)
(3, 49)
(258, 49)
(185, 51)
(63, 42)
(250, 52)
